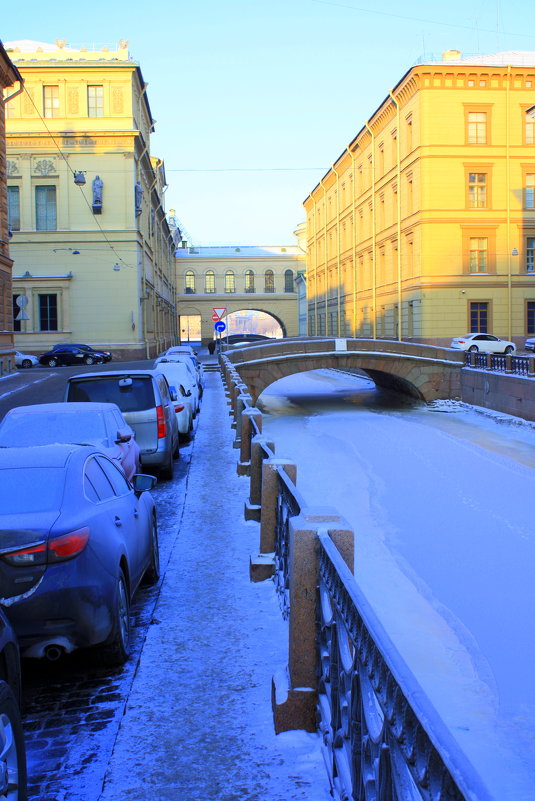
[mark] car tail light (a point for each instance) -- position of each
(160, 419)
(179, 407)
(58, 549)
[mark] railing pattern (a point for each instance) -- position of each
(501, 362)
(378, 745)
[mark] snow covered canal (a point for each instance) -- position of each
(441, 502)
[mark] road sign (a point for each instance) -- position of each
(215, 317)
(220, 312)
(220, 326)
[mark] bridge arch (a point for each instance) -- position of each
(422, 371)
(253, 308)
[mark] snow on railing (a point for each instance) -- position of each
(382, 737)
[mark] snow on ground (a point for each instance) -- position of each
(441, 504)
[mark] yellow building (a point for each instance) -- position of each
(93, 250)
(244, 280)
(424, 227)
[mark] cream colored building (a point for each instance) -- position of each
(424, 227)
(241, 279)
(93, 250)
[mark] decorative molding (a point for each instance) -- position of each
(44, 167)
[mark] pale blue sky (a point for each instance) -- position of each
(254, 100)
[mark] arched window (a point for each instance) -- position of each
(289, 281)
(249, 281)
(209, 282)
(190, 282)
(230, 281)
(269, 281)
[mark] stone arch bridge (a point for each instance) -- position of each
(422, 371)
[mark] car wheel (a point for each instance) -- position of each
(473, 349)
(509, 349)
(117, 650)
(26, 363)
(12, 751)
(52, 362)
(152, 573)
(89, 360)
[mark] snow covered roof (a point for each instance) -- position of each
(516, 58)
(239, 251)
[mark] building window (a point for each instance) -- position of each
(529, 191)
(408, 120)
(51, 101)
(477, 128)
(289, 281)
(230, 281)
(269, 281)
(478, 255)
(530, 317)
(209, 282)
(45, 208)
(95, 101)
(249, 281)
(189, 286)
(16, 312)
(13, 208)
(48, 312)
(477, 190)
(530, 254)
(530, 131)
(479, 317)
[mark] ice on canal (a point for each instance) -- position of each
(441, 501)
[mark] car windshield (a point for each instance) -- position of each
(130, 393)
(47, 428)
(30, 489)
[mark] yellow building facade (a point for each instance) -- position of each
(93, 251)
(424, 227)
(241, 279)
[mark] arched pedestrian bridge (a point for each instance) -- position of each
(423, 371)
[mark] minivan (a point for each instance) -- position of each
(145, 400)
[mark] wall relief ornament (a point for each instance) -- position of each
(44, 167)
(13, 167)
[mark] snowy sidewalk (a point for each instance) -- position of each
(198, 725)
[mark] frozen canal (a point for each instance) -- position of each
(441, 501)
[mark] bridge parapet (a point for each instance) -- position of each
(382, 737)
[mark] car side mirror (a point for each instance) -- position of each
(143, 482)
(188, 393)
(123, 435)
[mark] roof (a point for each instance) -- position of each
(239, 252)
(514, 58)
(55, 455)
(70, 407)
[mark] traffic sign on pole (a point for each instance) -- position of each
(220, 312)
(220, 326)
(215, 317)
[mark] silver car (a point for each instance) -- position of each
(144, 398)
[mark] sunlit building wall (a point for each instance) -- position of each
(424, 227)
(93, 250)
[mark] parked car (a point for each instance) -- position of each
(13, 773)
(177, 374)
(184, 412)
(105, 355)
(482, 343)
(181, 349)
(76, 540)
(99, 424)
(529, 344)
(25, 360)
(145, 401)
(68, 354)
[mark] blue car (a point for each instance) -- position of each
(12, 751)
(76, 540)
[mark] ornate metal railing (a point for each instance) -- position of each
(288, 505)
(501, 362)
(377, 744)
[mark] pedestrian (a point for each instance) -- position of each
(211, 347)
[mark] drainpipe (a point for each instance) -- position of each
(354, 205)
(18, 91)
(326, 260)
(508, 190)
(398, 206)
(374, 236)
(338, 306)
(314, 213)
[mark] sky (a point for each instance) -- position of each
(255, 100)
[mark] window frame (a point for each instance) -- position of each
(209, 285)
(51, 106)
(530, 314)
(97, 102)
(39, 311)
(269, 285)
(230, 282)
(38, 189)
(487, 311)
(289, 278)
(10, 194)
(478, 108)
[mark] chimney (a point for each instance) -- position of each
(451, 55)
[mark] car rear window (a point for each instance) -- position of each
(136, 395)
(30, 489)
(47, 428)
